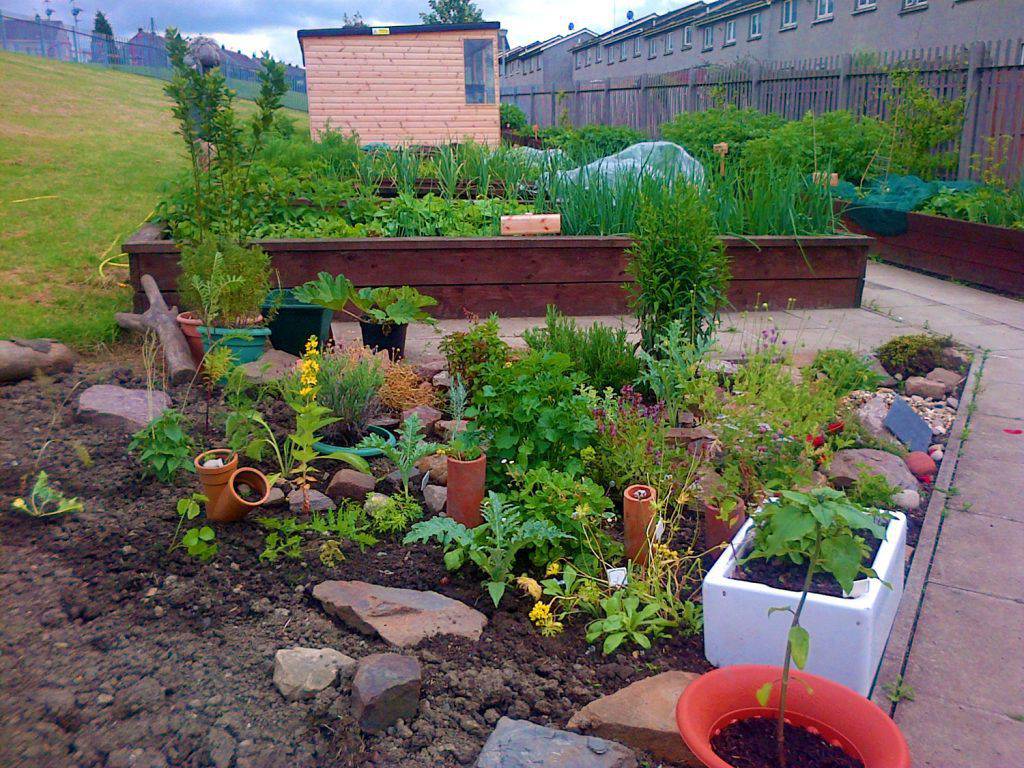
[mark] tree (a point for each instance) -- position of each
(101, 26)
(451, 12)
(355, 20)
(104, 48)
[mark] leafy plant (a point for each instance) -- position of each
(625, 621)
(283, 540)
(164, 447)
(846, 371)
(912, 354)
(467, 352)
(999, 206)
(199, 541)
(492, 546)
(872, 491)
(349, 382)
(395, 514)
(46, 501)
(384, 306)
(698, 132)
(512, 117)
(591, 142)
(925, 128)
(407, 450)
(224, 281)
(346, 523)
(464, 444)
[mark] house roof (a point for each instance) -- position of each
(522, 51)
(727, 8)
(26, 29)
(402, 29)
(624, 30)
(680, 17)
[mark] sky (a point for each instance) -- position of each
(256, 25)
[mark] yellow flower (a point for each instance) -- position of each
(540, 614)
(662, 552)
(551, 628)
(529, 586)
(19, 503)
(312, 346)
(553, 569)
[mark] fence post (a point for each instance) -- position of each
(691, 93)
(845, 70)
(607, 105)
(972, 93)
(3, 34)
(755, 86)
(533, 104)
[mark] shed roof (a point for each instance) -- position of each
(401, 29)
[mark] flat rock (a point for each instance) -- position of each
(521, 744)
(918, 385)
(119, 408)
(428, 369)
(300, 673)
(444, 428)
(429, 416)
(437, 466)
(350, 484)
(386, 688)
(908, 501)
(275, 498)
(642, 716)
(436, 497)
(848, 464)
(402, 617)
(318, 502)
(872, 416)
(949, 379)
(274, 364)
(909, 426)
(23, 358)
(442, 380)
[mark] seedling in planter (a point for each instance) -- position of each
(199, 541)
(818, 528)
(46, 501)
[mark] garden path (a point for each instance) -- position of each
(963, 659)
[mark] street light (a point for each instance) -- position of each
(75, 10)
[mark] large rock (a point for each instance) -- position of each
(23, 358)
(350, 484)
(435, 497)
(872, 415)
(317, 501)
(386, 688)
(274, 364)
(429, 416)
(521, 744)
(848, 464)
(428, 369)
(403, 617)
(642, 716)
(437, 466)
(949, 379)
(918, 385)
(121, 409)
(300, 673)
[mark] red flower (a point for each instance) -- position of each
(816, 440)
(836, 427)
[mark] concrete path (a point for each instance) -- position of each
(966, 660)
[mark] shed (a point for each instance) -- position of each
(415, 84)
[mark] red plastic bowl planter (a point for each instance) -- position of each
(836, 713)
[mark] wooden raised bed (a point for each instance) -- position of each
(977, 253)
(520, 276)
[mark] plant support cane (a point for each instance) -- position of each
(638, 517)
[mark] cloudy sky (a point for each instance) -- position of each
(255, 25)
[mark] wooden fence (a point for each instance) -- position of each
(989, 75)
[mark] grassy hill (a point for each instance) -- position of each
(84, 156)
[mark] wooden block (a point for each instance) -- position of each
(532, 224)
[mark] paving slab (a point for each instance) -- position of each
(950, 734)
(1001, 398)
(971, 546)
(988, 488)
(1004, 367)
(989, 433)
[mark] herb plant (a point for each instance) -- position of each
(626, 621)
(164, 447)
(846, 371)
(349, 382)
(464, 444)
(407, 450)
(395, 514)
(467, 352)
(46, 501)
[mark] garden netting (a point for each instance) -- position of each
(652, 158)
(882, 206)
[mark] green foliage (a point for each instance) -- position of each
(625, 621)
(101, 26)
(534, 414)
(492, 546)
(451, 12)
(925, 128)
(385, 306)
(698, 132)
(846, 371)
(433, 216)
(912, 354)
(346, 523)
(285, 534)
(199, 541)
(468, 352)
(164, 447)
(46, 501)
(872, 491)
(407, 450)
(225, 282)
(465, 442)
(283, 540)
(679, 267)
(591, 142)
(602, 354)
(994, 205)
(395, 514)
(513, 118)
(597, 203)
(670, 370)
(348, 387)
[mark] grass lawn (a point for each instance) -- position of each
(96, 148)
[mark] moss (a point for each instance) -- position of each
(913, 354)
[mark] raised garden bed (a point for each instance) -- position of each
(978, 253)
(521, 276)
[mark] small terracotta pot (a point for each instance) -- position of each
(231, 507)
(637, 517)
(215, 479)
(718, 532)
(466, 490)
(838, 714)
(190, 328)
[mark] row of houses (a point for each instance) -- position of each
(706, 32)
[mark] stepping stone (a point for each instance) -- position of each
(402, 617)
(521, 744)
(301, 673)
(435, 497)
(350, 484)
(22, 358)
(642, 716)
(913, 431)
(848, 464)
(274, 364)
(121, 409)
(385, 689)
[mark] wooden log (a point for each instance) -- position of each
(163, 321)
(532, 224)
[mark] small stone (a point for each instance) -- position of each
(386, 688)
(955, 359)
(445, 427)
(950, 379)
(350, 484)
(317, 501)
(428, 369)
(429, 416)
(275, 498)
(937, 456)
(104, 700)
(374, 501)
(117, 408)
(953, 402)
(136, 758)
(436, 497)
(442, 380)
(521, 744)
(273, 365)
(299, 673)
(920, 464)
(394, 479)
(437, 466)
(918, 385)
(908, 501)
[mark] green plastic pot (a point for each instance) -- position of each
(366, 453)
(246, 344)
(295, 321)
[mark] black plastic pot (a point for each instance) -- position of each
(392, 341)
(295, 321)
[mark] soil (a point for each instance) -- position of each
(751, 743)
(114, 652)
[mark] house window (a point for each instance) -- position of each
(709, 38)
(597, 55)
(755, 26)
(610, 55)
(730, 32)
(579, 60)
(636, 46)
(623, 51)
(825, 9)
(687, 36)
(588, 57)
(864, 5)
(668, 43)
(478, 57)
(788, 13)
(908, 4)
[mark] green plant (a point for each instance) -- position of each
(348, 386)
(199, 541)
(407, 450)
(698, 132)
(346, 523)
(492, 546)
(384, 306)
(925, 128)
(464, 444)
(912, 354)
(625, 621)
(394, 514)
(897, 690)
(283, 540)
(591, 142)
(999, 206)
(872, 491)
(513, 118)
(467, 352)
(846, 371)
(534, 414)
(602, 354)
(670, 370)
(164, 446)
(224, 281)
(679, 268)
(46, 501)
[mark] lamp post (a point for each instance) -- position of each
(75, 10)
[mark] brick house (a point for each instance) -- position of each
(545, 64)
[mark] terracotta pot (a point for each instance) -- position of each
(466, 490)
(637, 517)
(718, 532)
(231, 506)
(838, 714)
(190, 328)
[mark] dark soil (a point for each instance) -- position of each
(751, 744)
(114, 652)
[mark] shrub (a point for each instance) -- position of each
(845, 370)
(602, 354)
(164, 447)
(240, 276)
(467, 352)
(698, 132)
(591, 142)
(513, 118)
(679, 267)
(349, 382)
(925, 128)
(912, 354)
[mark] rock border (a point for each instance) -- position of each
(897, 649)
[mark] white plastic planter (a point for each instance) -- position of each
(848, 634)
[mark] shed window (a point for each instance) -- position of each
(479, 63)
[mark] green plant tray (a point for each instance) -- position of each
(366, 453)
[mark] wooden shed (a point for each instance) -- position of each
(416, 84)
